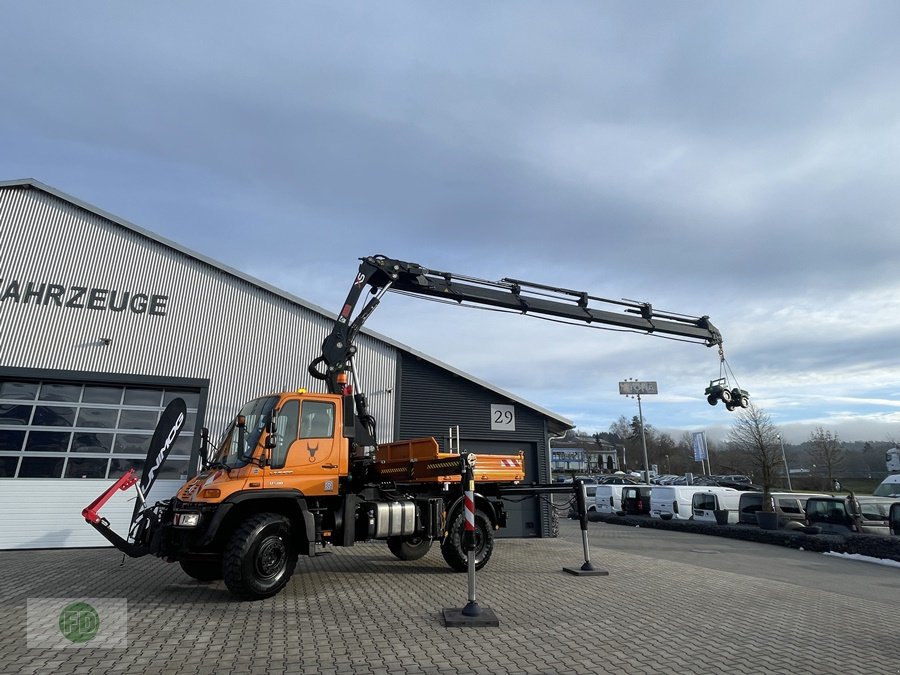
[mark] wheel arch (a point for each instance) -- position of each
(482, 503)
(242, 505)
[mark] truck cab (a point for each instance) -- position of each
(285, 441)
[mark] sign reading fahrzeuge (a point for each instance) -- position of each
(42, 293)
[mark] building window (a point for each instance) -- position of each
(51, 429)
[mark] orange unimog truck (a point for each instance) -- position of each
(297, 470)
(283, 481)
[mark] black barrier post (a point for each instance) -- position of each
(587, 569)
(472, 614)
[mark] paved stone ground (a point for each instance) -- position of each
(672, 603)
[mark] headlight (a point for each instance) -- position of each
(187, 519)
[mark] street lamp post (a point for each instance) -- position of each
(644, 443)
(787, 472)
(635, 388)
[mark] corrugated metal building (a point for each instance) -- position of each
(103, 323)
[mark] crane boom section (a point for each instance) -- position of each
(381, 274)
(519, 296)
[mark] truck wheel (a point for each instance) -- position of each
(260, 557)
(452, 546)
(725, 395)
(409, 548)
(712, 399)
(202, 570)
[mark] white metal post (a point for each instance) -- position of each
(787, 472)
(644, 442)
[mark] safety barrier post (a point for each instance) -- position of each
(587, 569)
(472, 614)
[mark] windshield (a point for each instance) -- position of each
(256, 414)
(887, 490)
(874, 510)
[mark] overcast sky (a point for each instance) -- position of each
(738, 160)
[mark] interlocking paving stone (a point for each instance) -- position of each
(359, 610)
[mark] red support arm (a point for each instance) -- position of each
(91, 513)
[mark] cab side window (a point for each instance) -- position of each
(287, 421)
(317, 420)
(789, 506)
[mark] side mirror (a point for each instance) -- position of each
(205, 455)
(271, 434)
(241, 424)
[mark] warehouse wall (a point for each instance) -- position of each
(432, 399)
(192, 319)
(83, 293)
(89, 298)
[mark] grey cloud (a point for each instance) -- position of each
(721, 159)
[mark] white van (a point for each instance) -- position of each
(608, 498)
(890, 487)
(590, 500)
(673, 501)
(705, 503)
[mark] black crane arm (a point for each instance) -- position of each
(382, 274)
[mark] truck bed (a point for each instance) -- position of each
(421, 461)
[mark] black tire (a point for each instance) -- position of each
(409, 548)
(712, 399)
(725, 395)
(202, 570)
(745, 402)
(259, 557)
(452, 546)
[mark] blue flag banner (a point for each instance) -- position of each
(699, 441)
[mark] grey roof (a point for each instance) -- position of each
(557, 425)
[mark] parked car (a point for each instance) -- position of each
(635, 500)
(617, 479)
(789, 506)
(849, 513)
(737, 478)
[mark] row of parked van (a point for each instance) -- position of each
(731, 506)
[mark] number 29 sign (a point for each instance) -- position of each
(503, 417)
